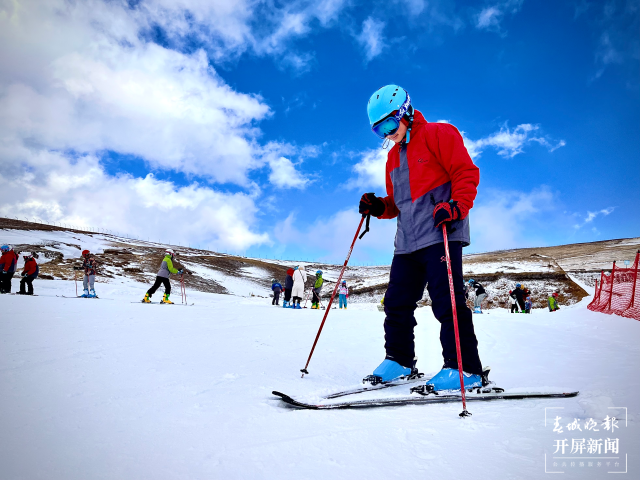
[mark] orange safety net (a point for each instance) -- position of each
(619, 292)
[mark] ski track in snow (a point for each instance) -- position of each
(114, 390)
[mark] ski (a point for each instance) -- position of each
(421, 399)
(87, 298)
(370, 388)
(160, 303)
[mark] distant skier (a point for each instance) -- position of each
(317, 288)
(481, 294)
(277, 288)
(527, 305)
(514, 301)
(299, 278)
(431, 181)
(90, 267)
(520, 297)
(8, 264)
(553, 302)
(29, 273)
(288, 286)
(343, 294)
(162, 278)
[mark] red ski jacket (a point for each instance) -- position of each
(9, 261)
(30, 267)
(434, 167)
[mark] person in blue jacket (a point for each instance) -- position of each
(277, 288)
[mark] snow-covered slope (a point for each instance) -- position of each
(109, 389)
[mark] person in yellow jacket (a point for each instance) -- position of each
(162, 278)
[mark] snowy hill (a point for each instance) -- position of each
(568, 269)
(110, 389)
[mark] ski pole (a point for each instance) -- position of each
(75, 277)
(335, 289)
(464, 413)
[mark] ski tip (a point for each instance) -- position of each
(281, 395)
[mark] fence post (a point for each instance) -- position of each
(635, 278)
(613, 272)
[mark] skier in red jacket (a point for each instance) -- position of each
(431, 181)
(29, 273)
(8, 264)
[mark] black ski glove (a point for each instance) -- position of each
(445, 212)
(371, 205)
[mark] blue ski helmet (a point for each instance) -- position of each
(319, 272)
(4, 248)
(472, 281)
(384, 101)
(517, 285)
(344, 282)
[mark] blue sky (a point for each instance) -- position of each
(242, 126)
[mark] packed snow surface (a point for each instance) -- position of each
(110, 389)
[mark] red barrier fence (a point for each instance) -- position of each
(618, 292)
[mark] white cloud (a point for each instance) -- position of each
(491, 16)
(337, 234)
(97, 86)
(503, 219)
(56, 188)
(229, 29)
(591, 216)
(510, 143)
(370, 171)
(371, 38)
(284, 174)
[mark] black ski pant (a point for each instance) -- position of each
(160, 281)
(287, 294)
(410, 273)
(514, 306)
(316, 298)
(521, 304)
(5, 282)
(276, 298)
(28, 281)
(296, 300)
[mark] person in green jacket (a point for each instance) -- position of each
(162, 278)
(553, 302)
(317, 288)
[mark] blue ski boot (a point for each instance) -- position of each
(390, 370)
(284, 304)
(85, 294)
(477, 310)
(92, 294)
(449, 379)
(297, 306)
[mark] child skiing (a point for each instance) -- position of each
(431, 182)
(527, 305)
(162, 278)
(8, 263)
(343, 294)
(481, 294)
(29, 273)
(553, 302)
(277, 288)
(288, 286)
(299, 278)
(90, 267)
(317, 288)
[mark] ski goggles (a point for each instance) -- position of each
(390, 125)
